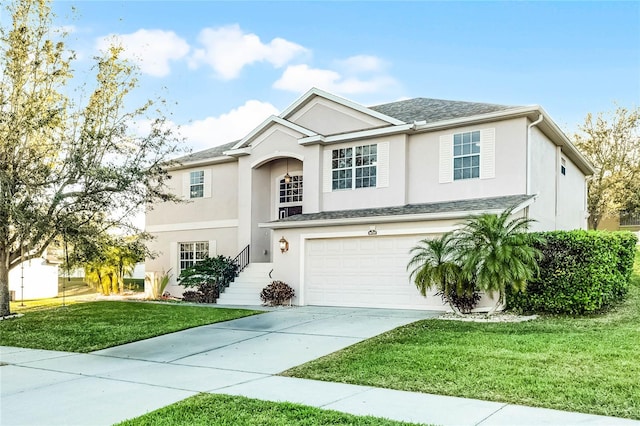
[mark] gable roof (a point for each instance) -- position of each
(216, 151)
(315, 92)
(411, 212)
(432, 110)
(266, 124)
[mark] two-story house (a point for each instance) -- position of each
(330, 195)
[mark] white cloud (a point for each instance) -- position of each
(233, 125)
(299, 78)
(362, 63)
(151, 49)
(228, 50)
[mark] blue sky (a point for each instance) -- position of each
(225, 66)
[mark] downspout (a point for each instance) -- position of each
(535, 123)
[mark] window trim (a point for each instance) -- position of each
(193, 185)
(280, 181)
(351, 167)
(193, 252)
(471, 155)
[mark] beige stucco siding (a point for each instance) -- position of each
(222, 241)
(572, 196)
(543, 181)
(326, 118)
(423, 166)
(560, 199)
(358, 198)
(221, 205)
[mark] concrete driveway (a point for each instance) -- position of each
(238, 357)
(47, 387)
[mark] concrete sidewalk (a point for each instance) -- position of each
(238, 357)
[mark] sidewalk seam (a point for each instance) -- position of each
(491, 415)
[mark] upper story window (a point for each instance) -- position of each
(291, 192)
(563, 166)
(354, 167)
(191, 253)
(466, 155)
(196, 184)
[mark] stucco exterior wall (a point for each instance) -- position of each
(359, 198)
(560, 201)
(510, 164)
(222, 205)
(572, 197)
(222, 241)
(543, 181)
(326, 118)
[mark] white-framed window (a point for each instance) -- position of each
(192, 252)
(196, 184)
(563, 166)
(359, 161)
(291, 192)
(466, 155)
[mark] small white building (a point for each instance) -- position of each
(34, 279)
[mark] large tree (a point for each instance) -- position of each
(67, 171)
(612, 143)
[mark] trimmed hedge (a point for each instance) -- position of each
(580, 272)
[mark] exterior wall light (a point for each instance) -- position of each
(372, 231)
(284, 245)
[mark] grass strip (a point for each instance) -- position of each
(86, 327)
(587, 364)
(210, 409)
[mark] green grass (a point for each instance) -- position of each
(586, 364)
(206, 409)
(86, 327)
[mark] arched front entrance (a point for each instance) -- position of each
(277, 191)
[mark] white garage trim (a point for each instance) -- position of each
(351, 234)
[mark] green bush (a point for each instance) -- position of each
(209, 277)
(580, 272)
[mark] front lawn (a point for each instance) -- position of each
(86, 327)
(206, 409)
(588, 364)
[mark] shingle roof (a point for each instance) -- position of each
(432, 110)
(479, 204)
(206, 154)
(417, 109)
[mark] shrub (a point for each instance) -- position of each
(209, 277)
(464, 301)
(276, 293)
(158, 284)
(580, 272)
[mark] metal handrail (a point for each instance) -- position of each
(242, 259)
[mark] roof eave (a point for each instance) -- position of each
(361, 134)
(420, 217)
(200, 163)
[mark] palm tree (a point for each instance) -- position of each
(435, 266)
(497, 251)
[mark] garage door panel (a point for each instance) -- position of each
(367, 272)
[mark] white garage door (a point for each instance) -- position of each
(363, 272)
